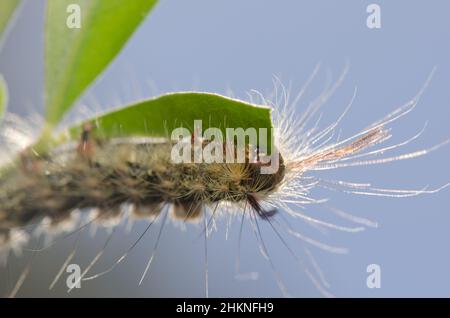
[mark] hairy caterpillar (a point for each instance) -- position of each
(137, 173)
(107, 174)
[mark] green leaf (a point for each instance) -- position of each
(3, 97)
(158, 117)
(75, 57)
(7, 8)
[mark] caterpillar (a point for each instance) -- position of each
(128, 172)
(106, 175)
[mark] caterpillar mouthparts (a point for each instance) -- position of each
(112, 174)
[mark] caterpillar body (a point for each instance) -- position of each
(141, 174)
(105, 175)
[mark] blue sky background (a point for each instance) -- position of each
(240, 45)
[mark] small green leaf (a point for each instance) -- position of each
(7, 8)
(74, 57)
(158, 117)
(3, 97)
